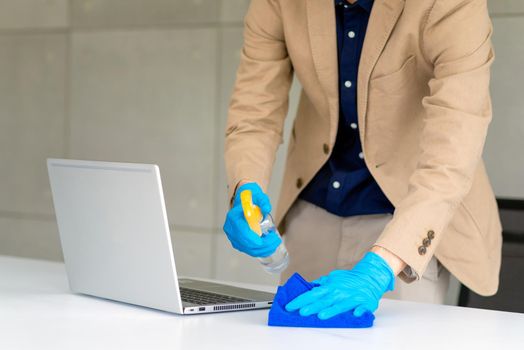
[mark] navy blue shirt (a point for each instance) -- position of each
(344, 186)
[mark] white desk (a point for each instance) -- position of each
(38, 312)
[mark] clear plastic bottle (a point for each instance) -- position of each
(278, 261)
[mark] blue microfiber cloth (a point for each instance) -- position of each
(296, 285)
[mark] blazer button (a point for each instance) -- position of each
(421, 250)
(431, 234)
(426, 242)
(326, 148)
(299, 182)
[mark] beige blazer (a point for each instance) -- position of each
(423, 107)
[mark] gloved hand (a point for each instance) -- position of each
(359, 289)
(237, 229)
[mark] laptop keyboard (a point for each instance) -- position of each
(199, 297)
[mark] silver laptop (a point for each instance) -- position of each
(116, 243)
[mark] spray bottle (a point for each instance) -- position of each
(278, 261)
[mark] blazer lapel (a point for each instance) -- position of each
(323, 41)
(383, 17)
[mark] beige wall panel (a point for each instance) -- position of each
(506, 7)
(233, 10)
(503, 152)
(149, 96)
(192, 253)
(21, 14)
(35, 239)
(32, 91)
(114, 13)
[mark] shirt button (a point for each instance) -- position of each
(422, 250)
(353, 126)
(299, 183)
(348, 84)
(326, 148)
(361, 155)
(351, 34)
(336, 185)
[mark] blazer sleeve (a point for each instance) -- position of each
(456, 41)
(259, 102)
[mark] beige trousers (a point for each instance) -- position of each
(319, 242)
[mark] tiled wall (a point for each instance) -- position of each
(121, 80)
(149, 81)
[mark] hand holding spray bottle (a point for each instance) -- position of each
(279, 259)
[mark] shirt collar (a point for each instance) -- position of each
(365, 4)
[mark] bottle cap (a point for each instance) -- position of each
(252, 212)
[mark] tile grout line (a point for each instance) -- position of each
(51, 217)
(6, 214)
(68, 85)
(216, 139)
(507, 14)
(160, 26)
(72, 28)
(183, 228)
(34, 31)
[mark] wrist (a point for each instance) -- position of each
(378, 271)
(237, 186)
(395, 263)
(242, 183)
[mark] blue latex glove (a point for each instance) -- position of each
(359, 289)
(242, 238)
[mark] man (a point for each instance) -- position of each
(384, 175)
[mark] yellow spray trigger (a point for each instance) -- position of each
(252, 213)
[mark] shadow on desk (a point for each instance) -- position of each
(510, 296)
